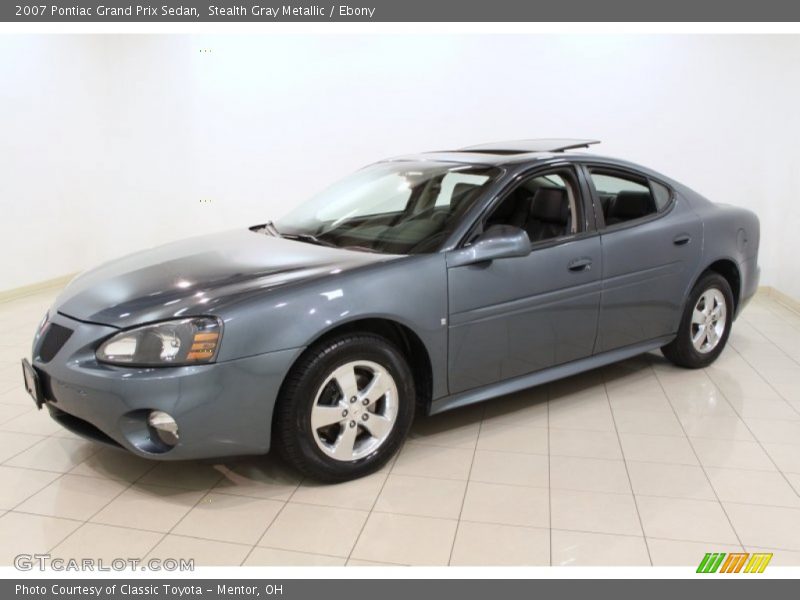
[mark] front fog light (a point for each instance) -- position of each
(164, 425)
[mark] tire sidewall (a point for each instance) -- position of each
(319, 368)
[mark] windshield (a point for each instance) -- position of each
(392, 207)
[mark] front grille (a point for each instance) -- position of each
(54, 338)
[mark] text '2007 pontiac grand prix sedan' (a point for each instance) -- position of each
(418, 284)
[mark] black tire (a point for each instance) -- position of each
(293, 435)
(681, 350)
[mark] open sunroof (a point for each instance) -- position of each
(524, 146)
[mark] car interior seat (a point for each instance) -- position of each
(549, 214)
(605, 202)
(630, 205)
(514, 210)
(461, 200)
(460, 191)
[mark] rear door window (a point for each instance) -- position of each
(625, 198)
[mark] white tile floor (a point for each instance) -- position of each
(638, 463)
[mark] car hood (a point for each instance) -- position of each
(199, 275)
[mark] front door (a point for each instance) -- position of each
(514, 316)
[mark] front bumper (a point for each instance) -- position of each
(222, 409)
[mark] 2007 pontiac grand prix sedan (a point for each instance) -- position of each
(418, 284)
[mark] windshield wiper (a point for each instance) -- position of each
(270, 228)
(307, 237)
(363, 249)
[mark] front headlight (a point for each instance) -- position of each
(171, 343)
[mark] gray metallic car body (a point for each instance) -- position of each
(471, 331)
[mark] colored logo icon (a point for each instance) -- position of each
(735, 562)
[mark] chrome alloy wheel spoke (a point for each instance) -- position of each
(378, 426)
(354, 410)
(708, 321)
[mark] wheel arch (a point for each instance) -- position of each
(728, 269)
(401, 336)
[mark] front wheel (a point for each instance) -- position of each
(705, 325)
(345, 408)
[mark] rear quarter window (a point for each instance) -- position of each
(661, 194)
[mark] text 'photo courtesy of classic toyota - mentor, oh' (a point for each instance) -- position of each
(418, 284)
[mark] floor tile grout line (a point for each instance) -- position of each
(755, 437)
(768, 340)
(371, 508)
(697, 457)
(786, 321)
(21, 502)
(627, 472)
(484, 450)
(466, 486)
(764, 379)
(163, 533)
(540, 487)
(785, 306)
(418, 476)
(580, 491)
(94, 514)
(306, 553)
(608, 431)
(4, 463)
(586, 531)
(213, 489)
(174, 525)
(15, 417)
(272, 522)
(178, 522)
(60, 475)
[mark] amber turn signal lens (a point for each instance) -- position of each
(206, 337)
(203, 347)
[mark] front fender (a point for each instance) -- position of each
(411, 291)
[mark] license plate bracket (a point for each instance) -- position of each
(32, 383)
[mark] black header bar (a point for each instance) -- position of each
(191, 11)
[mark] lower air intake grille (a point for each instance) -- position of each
(54, 338)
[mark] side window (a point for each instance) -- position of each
(545, 206)
(625, 198)
(661, 194)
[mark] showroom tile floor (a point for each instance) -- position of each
(638, 463)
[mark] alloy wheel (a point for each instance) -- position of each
(354, 410)
(709, 319)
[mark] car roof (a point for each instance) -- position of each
(501, 153)
(517, 155)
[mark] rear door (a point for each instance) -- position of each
(651, 249)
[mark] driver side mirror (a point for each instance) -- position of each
(498, 241)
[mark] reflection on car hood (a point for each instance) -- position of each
(198, 276)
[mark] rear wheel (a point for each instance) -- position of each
(345, 408)
(705, 325)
